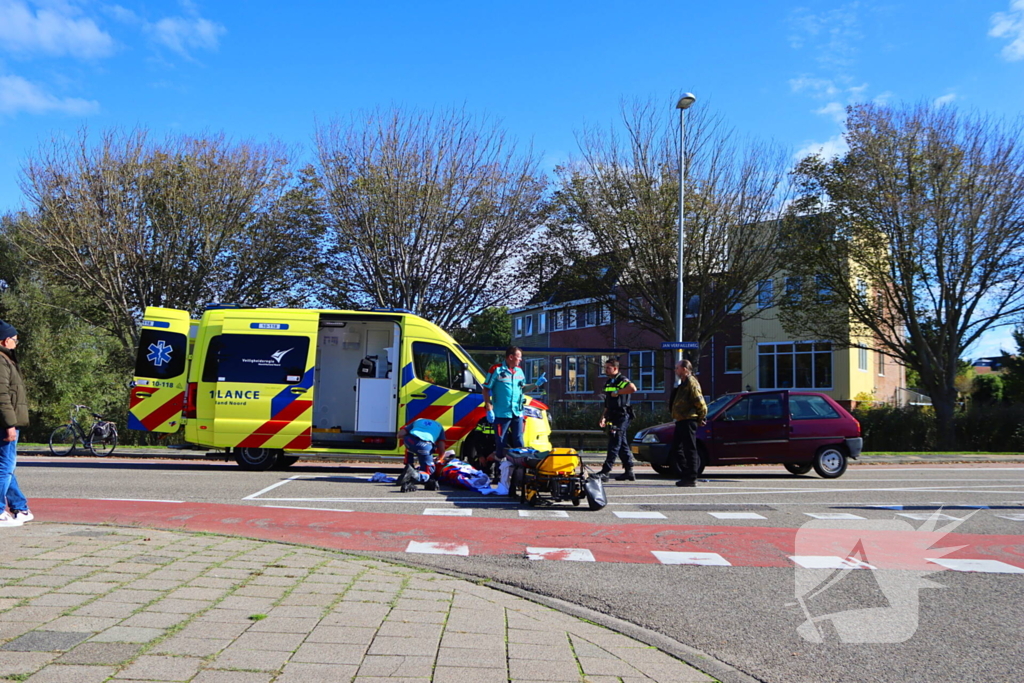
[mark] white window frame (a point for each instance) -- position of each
(737, 306)
(813, 353)
(542, 322)
(725, 358)
(881, 363)
(576, 381)
(862, 358)
(528, 326)
(648, 374)
(635, 306)
(571, 319)
(590, 315)
(794, 289)
(765, 294)
(519, 326)
(557, 320)
(605, 315)
(558, 367)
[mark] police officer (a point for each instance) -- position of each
(617, 414)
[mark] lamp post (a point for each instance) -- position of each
(682, 105)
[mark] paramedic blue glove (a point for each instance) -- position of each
(490, 416)
(541, 381)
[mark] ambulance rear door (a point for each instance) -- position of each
(161, 365)
(263, 378)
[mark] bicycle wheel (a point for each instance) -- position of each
(63, 439)
(105, 445)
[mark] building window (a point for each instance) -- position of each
(733, 359)
(558, 367)
(528, 326)
(570, 319)
(605, 317)
(862, 359)
(519, 327)
(794, 289)
(533, 368)
(824, 289)
(736, 296)
(636, 307)
(881, 363)
(646, 370)
(862, 291)
(558, 319)
(692, 307)
(802, 365)
(764, 294)
(591, 315)
(576, 374)
(542, 323)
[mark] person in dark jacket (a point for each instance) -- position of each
(616, 415)
(13, 414)
(689, 411)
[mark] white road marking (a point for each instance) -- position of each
(274, 486)
(987, 566)
(829, 562)
(289, 507)
(568, 554)
(400, 499)
(437, 548)
(137, 500)
(543, 513)
(925, 516)
(633, 514)
(449, 512)
(1012, 517)
(832, 515)
(736, 515)
(705, 559)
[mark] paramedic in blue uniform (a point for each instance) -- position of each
(616, 416)
(504, 398)
(421, 438)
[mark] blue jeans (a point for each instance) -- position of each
(9, 489)
(423, 450)
(508, 431)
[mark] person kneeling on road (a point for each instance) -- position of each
(421, 438)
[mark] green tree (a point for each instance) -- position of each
(915, 241)
(988, 389)
(1013, 370)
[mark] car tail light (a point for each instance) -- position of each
(374, 439)
(191, 390)
(857, 422)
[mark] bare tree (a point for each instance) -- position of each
(130, 223)
(619, 203)
(431, 212)
(917, 239)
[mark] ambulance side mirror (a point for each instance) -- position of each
(468, 380)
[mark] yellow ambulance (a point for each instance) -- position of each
(270, 385)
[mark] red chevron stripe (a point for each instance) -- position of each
(164, 412)
(465, 425)
(271, 427)
(301, 442)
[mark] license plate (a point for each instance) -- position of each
(635, 449)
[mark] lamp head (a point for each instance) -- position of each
(686, 100)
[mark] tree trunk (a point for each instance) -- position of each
(945, 408)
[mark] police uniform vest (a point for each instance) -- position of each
(618, 406)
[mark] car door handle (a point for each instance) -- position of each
(419, 395)
(298, 390)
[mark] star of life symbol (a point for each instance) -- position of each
(159, 353)
(829, 551)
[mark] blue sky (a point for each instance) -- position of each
(258, 69)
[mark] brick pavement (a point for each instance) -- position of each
(84, 604)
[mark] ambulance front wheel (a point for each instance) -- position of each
(256, 459)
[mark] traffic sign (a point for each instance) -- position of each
(680, 345)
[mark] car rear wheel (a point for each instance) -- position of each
(663, 470)
(830, 462)
(285, 461)
(798, 468)
(256, 459)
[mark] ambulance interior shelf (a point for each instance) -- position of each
(356, 388)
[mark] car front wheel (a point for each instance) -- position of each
(256, 459)
(663, 470)
(830, 462)
(798, 468)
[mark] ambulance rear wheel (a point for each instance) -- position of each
(256, 459)
(285, 461)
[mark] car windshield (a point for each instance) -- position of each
(715, 406)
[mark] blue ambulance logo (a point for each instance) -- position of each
(159, 353)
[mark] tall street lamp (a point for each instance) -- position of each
(682, 105)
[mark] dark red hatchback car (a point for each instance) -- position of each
(798, 429)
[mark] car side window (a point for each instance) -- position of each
(756, 407)
(811, 408)
(432, 364)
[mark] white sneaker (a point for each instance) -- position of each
(23, 515)
(7, 520)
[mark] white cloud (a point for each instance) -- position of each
(19, 95)
(56, 29)
(1010, 25)
(184, 34)
(948, 98)
(832, 34)
(817, 86)
(833, 147)
(834, 109)
(883, 98)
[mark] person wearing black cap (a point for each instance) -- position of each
(13, 414)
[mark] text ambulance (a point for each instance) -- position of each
(272, 384)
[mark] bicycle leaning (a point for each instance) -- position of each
(101, 439)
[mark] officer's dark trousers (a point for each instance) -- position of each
(684, 449)
(618, 444)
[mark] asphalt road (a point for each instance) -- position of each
(934, 625)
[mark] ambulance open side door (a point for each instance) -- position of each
(161, 365)
(263, 393)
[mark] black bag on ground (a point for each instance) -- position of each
(595, 493)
